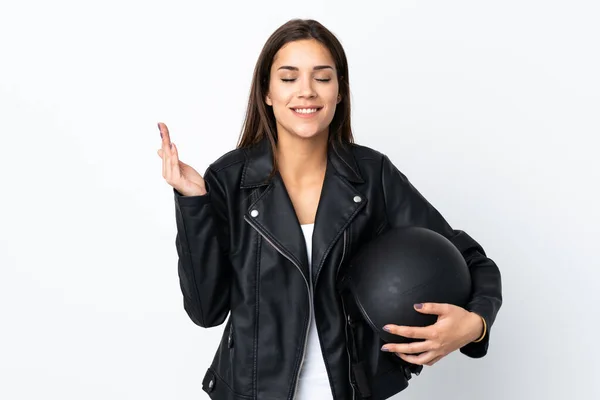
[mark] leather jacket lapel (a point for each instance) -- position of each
(340, 202)
(273, 214)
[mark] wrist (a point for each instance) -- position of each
(192, 192)
(481, 329)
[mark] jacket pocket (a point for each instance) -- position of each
(218, 389)
(233, 362)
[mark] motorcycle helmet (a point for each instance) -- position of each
(400, 268)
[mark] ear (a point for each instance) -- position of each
(268, 100)
(339, 98)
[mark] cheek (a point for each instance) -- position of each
(280, 94)
(279, 108)
(331, 95)
(332, 101)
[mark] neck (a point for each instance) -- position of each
(302, 160)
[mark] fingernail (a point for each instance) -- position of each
(387, 329)
(385, 349)
(418, 306)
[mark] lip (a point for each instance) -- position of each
(293, 109)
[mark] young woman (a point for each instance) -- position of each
(264, 234)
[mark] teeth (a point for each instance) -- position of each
(306, 110)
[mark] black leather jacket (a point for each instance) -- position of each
(242, 252)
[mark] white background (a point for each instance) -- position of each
(490, 108)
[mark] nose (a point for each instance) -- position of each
(306, 88)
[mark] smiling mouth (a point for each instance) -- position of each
(306, 111)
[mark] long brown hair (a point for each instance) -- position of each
(260, 120)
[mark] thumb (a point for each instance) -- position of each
(432, 308)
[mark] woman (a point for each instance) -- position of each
(267, 230)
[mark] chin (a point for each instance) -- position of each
(307, 132)
(310, 134)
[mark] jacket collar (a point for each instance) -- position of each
(259, 163)
(272, 213)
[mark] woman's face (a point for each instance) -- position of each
(303, 89)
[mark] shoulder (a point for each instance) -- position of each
(369, 158)
(242, 167)
(365, 153)
(226, 170)
(229, 160)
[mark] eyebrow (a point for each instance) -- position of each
(315, 68)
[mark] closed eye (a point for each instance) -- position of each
(293, 79)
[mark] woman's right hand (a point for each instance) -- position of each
(178, 174)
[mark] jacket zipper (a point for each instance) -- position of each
(310, 301)
(345, 326)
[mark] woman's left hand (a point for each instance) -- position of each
(455, 327)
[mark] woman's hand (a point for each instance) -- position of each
(454, 328)
(178, 174)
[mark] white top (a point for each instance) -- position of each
(313, 382)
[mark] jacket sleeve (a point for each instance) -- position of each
(405, 206)
(202, 243)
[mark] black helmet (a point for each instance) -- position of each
(399, 268)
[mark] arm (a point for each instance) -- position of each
(202, 243)
(405, 206)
